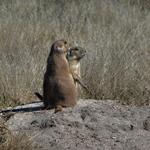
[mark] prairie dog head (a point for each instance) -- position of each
(59, 47)
(75, 54)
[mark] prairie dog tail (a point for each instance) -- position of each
(39, 96)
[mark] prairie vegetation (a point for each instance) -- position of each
(115, 33)
(8, 141)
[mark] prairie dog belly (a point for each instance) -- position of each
(66, 91)
(65, 80)
(75, 68)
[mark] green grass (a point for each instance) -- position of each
(115, 34)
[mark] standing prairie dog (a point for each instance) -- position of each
(58, 86)
(74, 55)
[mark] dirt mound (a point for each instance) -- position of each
(91, 125)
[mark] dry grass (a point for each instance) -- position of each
(13, 142)
(115, 33)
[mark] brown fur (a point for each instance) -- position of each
(58, 86)
(74, 55)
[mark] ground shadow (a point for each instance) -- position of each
(36, 106)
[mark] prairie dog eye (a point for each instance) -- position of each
(65, 42)
(76, 49)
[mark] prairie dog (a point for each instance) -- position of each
(58, 86)
(74, 55)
